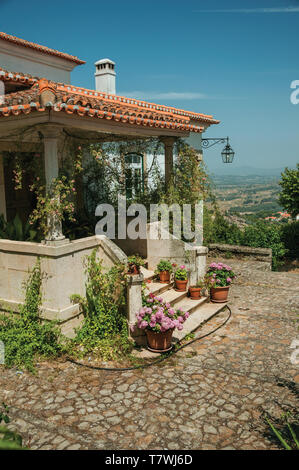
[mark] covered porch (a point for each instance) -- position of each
(37, 121)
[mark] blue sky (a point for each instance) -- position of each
(235, 60)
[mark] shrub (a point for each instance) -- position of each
(16, 230)
(9, 440)
(26, 336)
(260, 234)
(265, 235)
(218, 230)
(290, 237)
(104, 329)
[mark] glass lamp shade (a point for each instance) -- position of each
(227, 154)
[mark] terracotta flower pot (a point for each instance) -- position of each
(219, 294)
(181, 285)
(195, 293)
(159, 342)
(133, 269)
(164, 277)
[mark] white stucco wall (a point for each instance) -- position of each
(15, 58)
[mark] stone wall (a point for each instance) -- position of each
(160, 244)
(263, 255)
(64, 274)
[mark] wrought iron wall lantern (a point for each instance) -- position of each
(227, 153)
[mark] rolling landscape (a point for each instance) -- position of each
(250, 192)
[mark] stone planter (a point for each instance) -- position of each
(180, 286)
(164, 277)
(159, 342)
(219, 294)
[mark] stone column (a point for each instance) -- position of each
(51, 135)
(2, 189)
(168, 146)
(134, 304)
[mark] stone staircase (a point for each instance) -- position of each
(200, 310)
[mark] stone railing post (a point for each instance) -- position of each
(201, 261)
(134, 304)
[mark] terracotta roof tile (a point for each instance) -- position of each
(38, 47)
(84, 102)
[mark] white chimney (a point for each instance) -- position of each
(105, 76)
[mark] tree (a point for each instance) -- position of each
(289, 195)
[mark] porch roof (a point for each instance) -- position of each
(83, 102)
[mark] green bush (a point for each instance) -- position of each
(9, 440)
(104, 329)
(265, 235)
(218, 230)
(16, 230)
(260, 234)
(25, 335)
(290, 238)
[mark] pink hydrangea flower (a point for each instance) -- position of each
(159, 316)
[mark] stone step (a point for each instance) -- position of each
(189, 305)
(203, 313)
(147, 273)
(158, 288)
(172, 296)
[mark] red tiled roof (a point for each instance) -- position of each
(83, 102)
(46, 50)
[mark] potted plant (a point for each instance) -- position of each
(134, 263)
(219, 278)
(159, 320)
(164, 269)
(181, 278)
(195, 291)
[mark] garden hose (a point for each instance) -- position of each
(161, 359)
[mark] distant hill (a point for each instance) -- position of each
(231, 170)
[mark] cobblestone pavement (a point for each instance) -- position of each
(208, 396)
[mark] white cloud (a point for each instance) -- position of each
(170, 95)
(253, 10)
